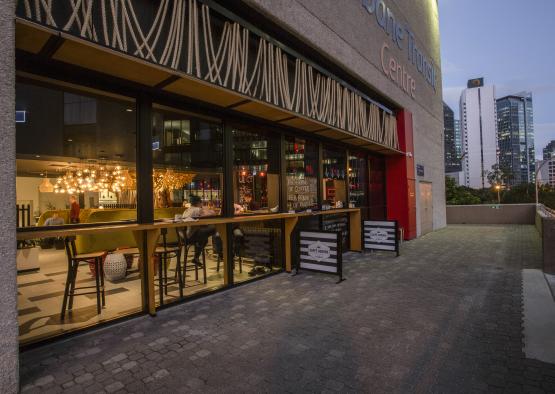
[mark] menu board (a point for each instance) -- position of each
(338, 222)
(301, 192)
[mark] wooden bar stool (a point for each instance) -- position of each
(186, 246)
(165, 254)
(73, 262)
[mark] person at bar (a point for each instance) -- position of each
(74, 210)
(198, 235)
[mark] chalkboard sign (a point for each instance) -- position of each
(381, 235)
(338, 222)
(321, 251)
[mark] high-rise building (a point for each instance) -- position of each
(452, 158)
(458, 142)
(515, 130)
(549, 151)
(479, 132)
(546, 166)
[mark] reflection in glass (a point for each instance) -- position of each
(75, 157)
(301, 158)
(376, 165)
(358, 181)
(75, 164)
(256, 172)
(188, 158)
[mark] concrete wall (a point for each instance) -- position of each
(491, 214)
(9, 353)
(546, 227)
(349, 36)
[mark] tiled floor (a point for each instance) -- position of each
(40, 294)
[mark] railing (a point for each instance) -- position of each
(545, 211)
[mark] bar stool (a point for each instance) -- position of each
(164, 255)
(186, 245)
(219, 250)
(73, 262)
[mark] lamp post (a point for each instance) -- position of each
(536, 179)
(498, 188)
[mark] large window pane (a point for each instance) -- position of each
(255, 171)
(334, 185)
(75, 156)
(188, 158)
(301, 174)
(376, 165)
(75, 164)
(358, 181)
(187, 155)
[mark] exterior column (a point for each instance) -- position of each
(401, 180)
(9, 351)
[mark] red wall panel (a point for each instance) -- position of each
(400, 179)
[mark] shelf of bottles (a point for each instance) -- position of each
(208, 188)
(357, 181)
(301, 170)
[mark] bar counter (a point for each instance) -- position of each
(147, 235)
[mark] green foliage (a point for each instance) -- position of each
(459, 195)
(521, 194)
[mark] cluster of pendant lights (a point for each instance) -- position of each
(94, 179)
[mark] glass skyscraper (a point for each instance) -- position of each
(515, 128)
(452, 141)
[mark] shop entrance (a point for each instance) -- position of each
(426, 208)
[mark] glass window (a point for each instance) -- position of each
(187, 179)
(257, 249)
(334, 179)
(75, 155)
(377, 204)
(188, 160)
(301, 158)
(255, 172)
(358, 181)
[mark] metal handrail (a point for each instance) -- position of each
(546, 211)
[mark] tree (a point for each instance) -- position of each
(459, 195)
(499, 175)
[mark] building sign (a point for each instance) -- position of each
(321, 251)
(475, 83)
(403, 38)
(20, 116)
(420, 169)
(381, 235)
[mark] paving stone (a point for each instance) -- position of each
(445, 316)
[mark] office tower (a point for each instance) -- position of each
(515, 131)
(452, 158)
(458, 142)
(479, 132)
(549, 151)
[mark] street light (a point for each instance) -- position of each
(498, 188)
(536, 180)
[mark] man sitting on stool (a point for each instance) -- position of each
(198, 235)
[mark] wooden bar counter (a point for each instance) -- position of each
(146, 236)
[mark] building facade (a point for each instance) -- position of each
(515, 128)
(245, 112)
(479, 132)
(546, 174)
(549, 151)
(452, 145)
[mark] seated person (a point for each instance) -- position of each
(198, 235)
(54, 220)
(250, 203)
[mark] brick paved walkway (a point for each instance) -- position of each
(444, 317)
